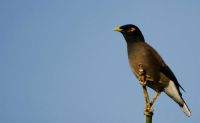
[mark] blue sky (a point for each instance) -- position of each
(61, 62)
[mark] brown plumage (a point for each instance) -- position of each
(159, 76)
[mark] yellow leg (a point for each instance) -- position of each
(155, 97)
(146, 96)
(148, 111)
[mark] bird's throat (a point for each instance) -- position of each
(133, 38)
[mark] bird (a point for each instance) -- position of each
(159, 76)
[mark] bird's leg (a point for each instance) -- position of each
(148, 111)
(155, 97)
(142, 80)
(142, 75)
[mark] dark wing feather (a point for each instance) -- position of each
(167, 71)
(164, 68)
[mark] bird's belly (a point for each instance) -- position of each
(157, 86)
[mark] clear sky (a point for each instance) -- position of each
(61, 62)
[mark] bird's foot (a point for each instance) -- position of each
(148, 110)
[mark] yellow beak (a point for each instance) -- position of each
(118, 29)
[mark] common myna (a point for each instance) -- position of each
(158, 75)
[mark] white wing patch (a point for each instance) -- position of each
(172, 91)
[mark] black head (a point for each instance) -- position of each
(130, 32)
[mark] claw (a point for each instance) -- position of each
(148, 110)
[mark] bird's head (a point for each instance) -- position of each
(130, 32)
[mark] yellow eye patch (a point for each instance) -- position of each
(131, 29)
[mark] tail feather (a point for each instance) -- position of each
(186, 110)
(172, 91)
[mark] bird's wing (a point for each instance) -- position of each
(164, 68)
(167, 72)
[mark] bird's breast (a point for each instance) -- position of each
(142, 56)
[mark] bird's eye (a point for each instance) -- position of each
(131, 29)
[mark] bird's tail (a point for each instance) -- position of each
(186, 110)
(172, 91)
